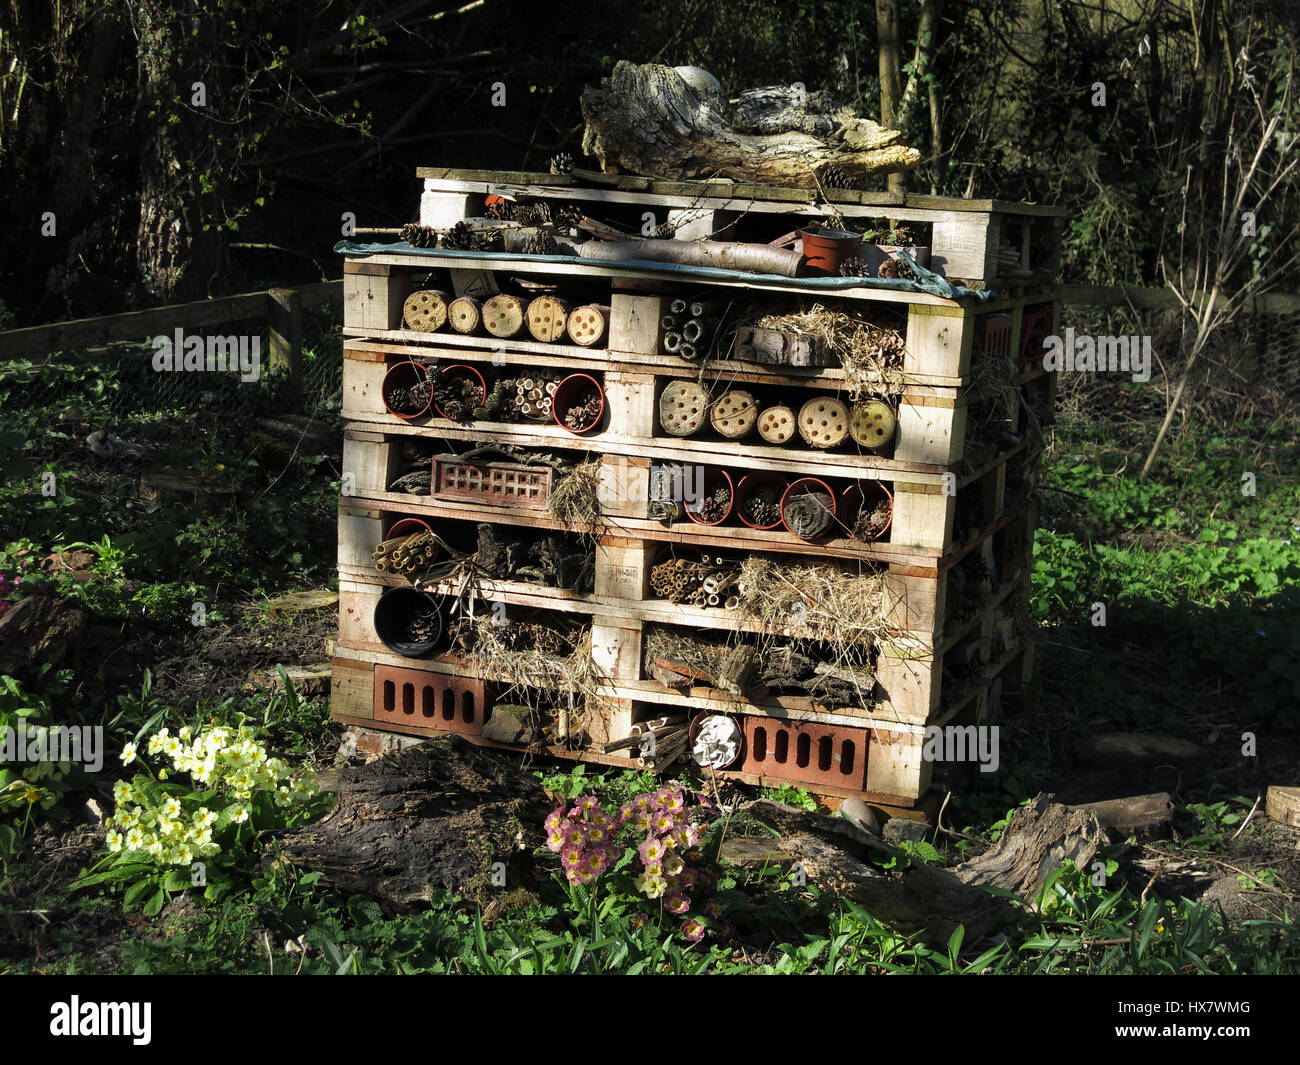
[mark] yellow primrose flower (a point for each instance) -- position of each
(135, 840)
(113, 841)
(239, 814)
(128, 754)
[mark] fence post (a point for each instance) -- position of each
(284, 307)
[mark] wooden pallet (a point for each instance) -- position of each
(965, 233)
(952, 652)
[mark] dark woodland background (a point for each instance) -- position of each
(328, 106)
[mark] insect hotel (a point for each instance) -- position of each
(681, 473)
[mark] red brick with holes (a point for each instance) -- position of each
(806, 752)
(430, 700)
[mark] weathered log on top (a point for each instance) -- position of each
(649, 120)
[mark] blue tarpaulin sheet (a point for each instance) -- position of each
(924, 281)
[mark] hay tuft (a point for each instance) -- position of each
(575, 498)
(871, 355)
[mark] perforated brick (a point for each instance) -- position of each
(430, 700)
(805, 751)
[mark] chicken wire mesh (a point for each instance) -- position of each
(1250, 365)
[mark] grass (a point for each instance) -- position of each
(1201, 641)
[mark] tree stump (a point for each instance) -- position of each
(438, 815)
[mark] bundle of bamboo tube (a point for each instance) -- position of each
(404, 555)
(689, 327)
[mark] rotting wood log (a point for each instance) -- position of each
(924, 898)
(1283, 805)
(723, 254)
(675, 123)
(437, 815)
(1146, 814)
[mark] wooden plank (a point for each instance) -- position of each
(370, 463)
(352, 689)
(516, 352)
(520, 265)
(136, 327)
(923, 517)
(895, 765)
(930, 431)
(939, 341)
(636, 323)
(373, 299)
(630, 400)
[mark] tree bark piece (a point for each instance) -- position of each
(437, 815)
(503, 316)
(1145, 814)
(649, 120)
(40, 631)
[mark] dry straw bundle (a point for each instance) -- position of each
(842, 610)
(575, 499)
(871, 355)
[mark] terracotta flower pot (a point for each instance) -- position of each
(823, 252)
(825, 498)
(461, 370)
(713, 479)
(404, 375)
(753, 483)
(569, 393)
(865, 494)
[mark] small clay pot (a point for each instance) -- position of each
(567, 394)
(713, 479)
(811, 486)
(461, 370)
(824, 252)
(864, 493)
(404, 375)
(755, 482)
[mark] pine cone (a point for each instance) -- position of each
(567, 217)
(459, 237)
(855, 267)
(561, 163)
(487, 240)
(833, 177)
(534, 214)
(418, 236)
(500, 211)
(895, 268)
(665, 231)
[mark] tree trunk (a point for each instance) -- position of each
(890, 72)
(182, 151)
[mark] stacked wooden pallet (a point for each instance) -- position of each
(950, 571)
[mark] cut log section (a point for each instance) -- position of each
(734, 414)
(776, 425)
(464, 314)
(587, 324)
(503, 316)
(872, 424)
(425, 311)
(547, 317)
(682, 407)
(823, 422)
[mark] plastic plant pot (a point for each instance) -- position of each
(823, 252)
(713, 479)
(754, 483)
(864, 493)
(569, 393)
(393, 613)
(404, 375)
(461, 370)
(407, 526)
(822, 493)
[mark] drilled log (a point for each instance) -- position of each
(725, 255)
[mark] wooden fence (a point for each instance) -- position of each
(281, 309)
